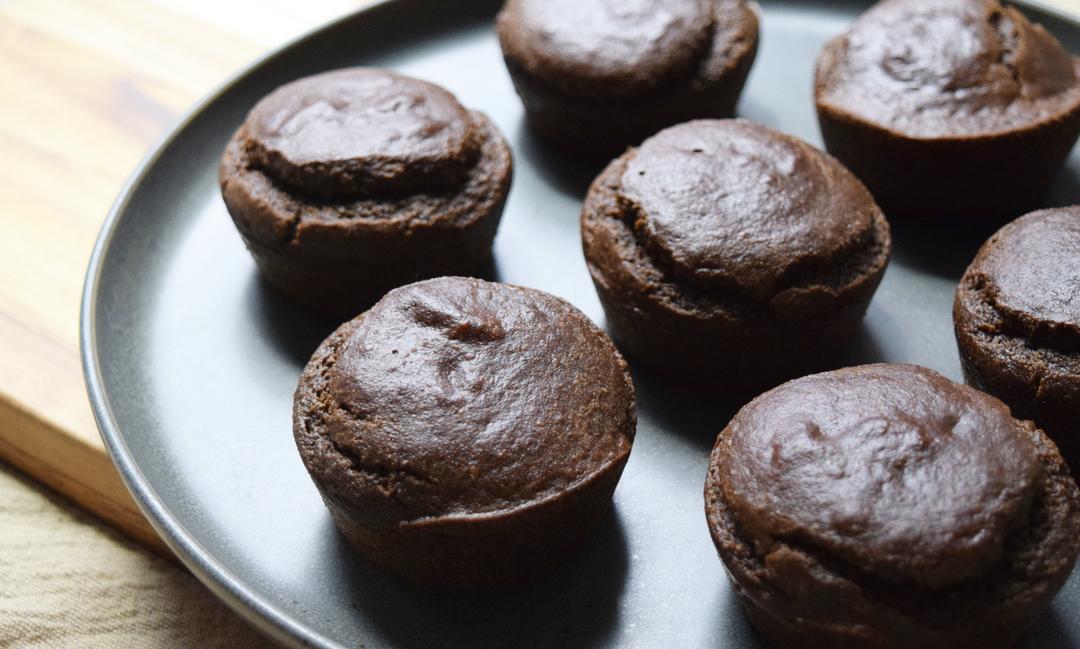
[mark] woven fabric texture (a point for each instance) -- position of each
(67, 581)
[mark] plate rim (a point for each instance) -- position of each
(226, 586)
(217, 578)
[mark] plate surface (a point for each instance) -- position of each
(191, 364)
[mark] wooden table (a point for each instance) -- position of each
(88, 86)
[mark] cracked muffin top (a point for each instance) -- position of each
(1029, 272)
(934, 68)
(731, 204)
(362, 164)
(457, 397)
(892, 470)
(1016, 317)
(360, 131)
(623, 47)
(726, 217)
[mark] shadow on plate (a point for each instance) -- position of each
(941, 248)
(698, 412)
(576, 606)
(292, 329)
(1050, 631)
(1066, 187)
(489, 271)
(864, 348)
(946, 248)
(692, 411)
(569, 174)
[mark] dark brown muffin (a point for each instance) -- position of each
(463, 432)
(1017, 322)
(949, 108)
(597, 76)
(726, 251)
(884, 506)
(346, 184)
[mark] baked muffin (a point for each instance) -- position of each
(725, 251)
(597, 76)
(1017, 322)
(346, 184)
(884, 506)
(949, 108)
(463, 432)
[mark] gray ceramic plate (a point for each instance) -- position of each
(191, 363)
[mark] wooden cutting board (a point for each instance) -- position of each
(87, 87)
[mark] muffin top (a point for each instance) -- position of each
(735, 206)
(361, 132)
(1029, 271)
(458, 396)
(937, 68)
(893, 470)
(620, 47)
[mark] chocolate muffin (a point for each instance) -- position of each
(725, 251)
(346, 184)
(1017, 322)
(597, 75)
(463, 432)
(884, 506)
(949, 108)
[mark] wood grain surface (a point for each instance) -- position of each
(88, 86)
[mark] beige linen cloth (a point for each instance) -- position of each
(68, 581)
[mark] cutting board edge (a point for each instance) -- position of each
(47, 453)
